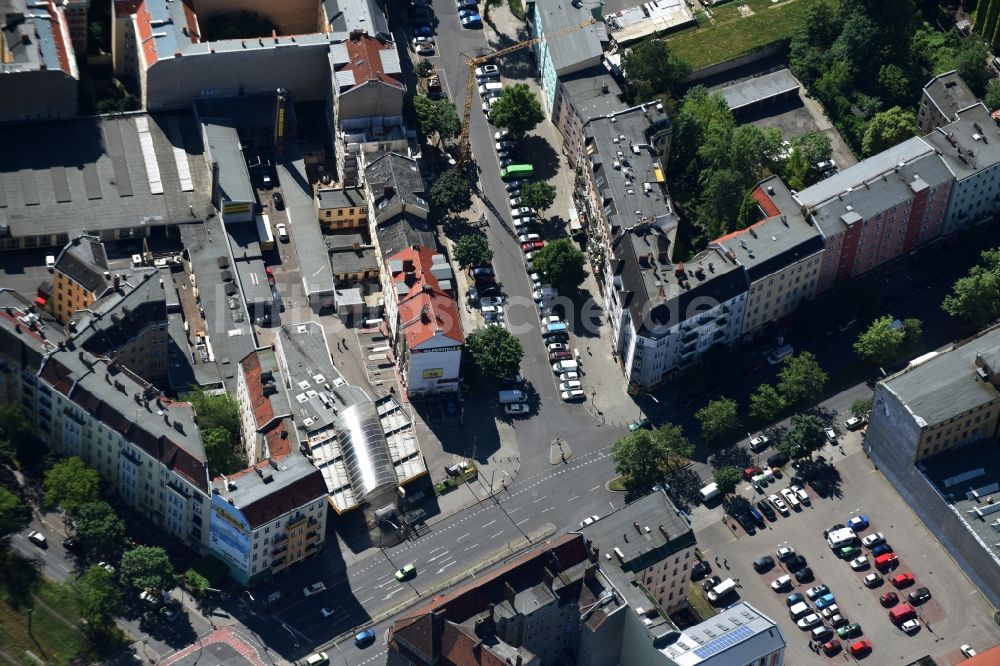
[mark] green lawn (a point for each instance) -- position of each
(733, 35)
(51, 639)
(698, 602)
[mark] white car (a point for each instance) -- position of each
(424, 49)
(423, 40)
(809, 621)
(831, 435)
(570, 385)
(801, 493)
(872, 580)
(487, 70)
(968, 650)
(524, 238)
(315, 588)
(791, 498)
(572, 396)
(859, 563)
(551, 319)
(830, 611)
(569, 376)
(515, 202)
(854, 423)
(589, 521)
(781, 583)
(282, 232)
(502, 134)
(523, 212)
(107, 567)
(785, 553)
(494, 301)
(910, 626)
(873, 540)
(556, 346)
(149, 598)
(516, 408)
(759, 442)
(779, 504)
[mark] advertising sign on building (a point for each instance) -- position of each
(229, 534)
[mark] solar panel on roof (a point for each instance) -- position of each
(722, 642)
(149, 155)
(60, 184)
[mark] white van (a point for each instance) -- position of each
(511, 396)
(709, 491)
(490, 89)
(798, 610)
(722, 589)
(50, 262)
(840, 538)
(560, 367)
(779, 354)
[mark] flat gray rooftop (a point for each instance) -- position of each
(304, 230)
(96, 174)
(225, 149)
(968, 145)
(759, 89)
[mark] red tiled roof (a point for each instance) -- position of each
(57, 376)
(279, 443)
(425, 311)
(262, 410)
(366, 62)
(192, 22)
(137, 9)
(461, 649)
(61, 38)
(770, 210)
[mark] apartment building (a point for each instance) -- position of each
(268, 517)
(573, 50)
(969, 147)
(78, 18)
(132, 177)
(264, 408)
(38, 70)
(353, 259)
(341, 209)
(397, 204)
(80, 276)
(941, 100)
(580, 97)
(782, 255)
(652, 545)
(940, 402)
(424, 321)
(878, 210)
(550, 605)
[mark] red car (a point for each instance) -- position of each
(902, 580)
(885, 560)
(889, 599)
(831, 647)
(751, 472)
(531, 246)
(270, 275)
(861, 648)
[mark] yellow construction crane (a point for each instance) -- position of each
(478, 61)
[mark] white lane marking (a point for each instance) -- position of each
(497, 534)
(367, 600)
(393, 593)
(437, 556)
(593, 489)
(523, 521)
(436, 549)
(380, 586)
(539, 499)
(573, 498)
(475, 545)
(462, 537)
(441, 570)
(489, 523)
(513, 510)
(548, 509)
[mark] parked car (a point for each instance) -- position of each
(570, 385)
(700, 570)
(881, 549)
(765, 507)
(474, 21)
(282, 232)
(858, 523)
(826, 600)
(804, 575)
(793, 599)
(710, 582)
(423, 49)
(759, 442)
(889, 599)
(795, 562)
(809, 621)
(859, 563)
(849, 630)
(861, 648)
(848, 552)
(38, 539)
(818, 591)
(873, 540)
(919, 596)
(831, 647)
(800, 493)
(831, 435)
(910, 626)
(364, 638)
(315, 588)
(782, 583)
(873, 580)
(575, 395)
(516, 409)
(902, 580)
(854, 423)
(279, 201)
(968, 651)
(589, 521)
(762, 564)
(779, 503)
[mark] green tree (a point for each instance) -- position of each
(216, 410)
(148, 568)
(423, 68)
(14, 514)
(766, 403)
(814, 146)
(472, 250)
(517, 110)
(975, 298)
(452, 192)
(100, 601)
(221, 451)
(801, 379)
(678, 446)
(436, 117)
(970, 63)
(888, 128)
(16, 435)
(537, 195)
(495, 351)
(798, 170)
(652, 69)
(804, 436)
(70, 484)
(881, 342)
(861, 408)
(913, 328)
(639, 457)
(727, 478)
(562, 263)
(718, 418)
(895, 84)
(118, 100)
(992, 97)
(196, 584)
(100, 530)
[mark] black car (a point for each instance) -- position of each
(73, 545)
(555, 336)
(710, 583)
(763, 564)
(765, 508)
(804, 575)
(919, 596)
(279, 201)
(796, 563)
(746, 522)
(757, 518)
(700, 570)
(777, 460)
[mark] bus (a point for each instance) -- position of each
(517, 171)
(264, 232)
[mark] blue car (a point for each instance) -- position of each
(793, 599)
(474, 21)
(881, 549)
(825, 600)
(472, 11)
(422, 31)
(858, 523)
(365, 638)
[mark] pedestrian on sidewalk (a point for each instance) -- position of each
(725, 563)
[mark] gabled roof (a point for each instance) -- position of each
(264, 390)
(84, 261)
(425, 309)
(364, 59)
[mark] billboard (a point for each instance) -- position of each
(229, 534)
(434, 373)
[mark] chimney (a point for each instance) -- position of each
(664, 532)
(508, 593)
(116, 281)
(636, 526)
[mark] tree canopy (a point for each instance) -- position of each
(861, 408)
(718, 418)
(537, 195)
(639, 457)
(472, 250)
(881, 342)
(223, 452)
(423, 68)
(436, 117)
(813, 145)
(766, 403)
(148, 568)
(805, 435)
(562, 263)
(100, 530)
(14, 514)
(452, 192)
(727, 478)
(100, 600)
(887, 128)
(975, 298)
(70, 484)
(517, 110)
(992, 97)
(217, 410)
(651, 70)
(801, 379)
(495, 351)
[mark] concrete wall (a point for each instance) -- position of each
(729, 65)
(292, 17)
(37, 95)
(370, 100)
(302, 70)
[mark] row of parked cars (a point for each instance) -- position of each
(783, 502)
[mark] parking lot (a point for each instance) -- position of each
(956, 614)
